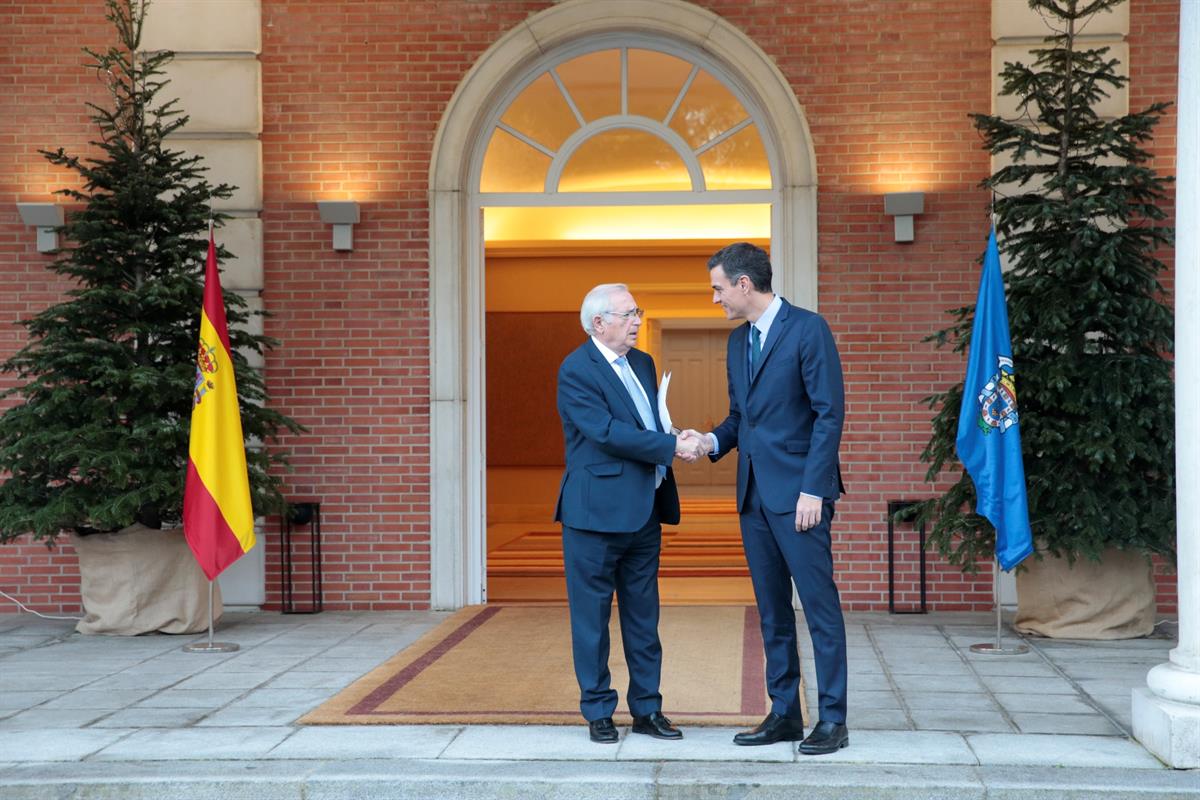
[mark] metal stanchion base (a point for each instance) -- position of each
(210, 647)
(993, 649)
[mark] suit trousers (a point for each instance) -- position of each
(778, 555)
(597, 566)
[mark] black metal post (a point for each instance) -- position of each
(301, 513)
(893, 508)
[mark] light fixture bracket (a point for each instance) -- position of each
(343, 215)
(47, 218)
(903, 206)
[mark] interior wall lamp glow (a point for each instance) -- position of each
(904, 206)
(47, 218)
(343, 215)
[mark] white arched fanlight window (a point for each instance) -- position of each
(629, 123)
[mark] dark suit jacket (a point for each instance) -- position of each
(786, 419)
(608, 483)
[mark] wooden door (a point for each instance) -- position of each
(699, 398)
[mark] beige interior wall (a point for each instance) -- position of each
(532, 305)
(533, 293)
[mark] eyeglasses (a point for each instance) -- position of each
(627, 315)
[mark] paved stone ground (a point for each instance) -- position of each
(130, 717)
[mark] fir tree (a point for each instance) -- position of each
(99, 436)
(1078, 216)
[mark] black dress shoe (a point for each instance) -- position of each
(656, 725)
(826, 737)
(602, 730)
(772, 729)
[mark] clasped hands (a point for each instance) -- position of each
(691, 445)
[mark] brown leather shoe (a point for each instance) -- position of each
(772, 729)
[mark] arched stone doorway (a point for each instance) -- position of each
(456, 237)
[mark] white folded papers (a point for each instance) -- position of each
(663, 413)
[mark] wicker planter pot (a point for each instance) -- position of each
(1113, 599)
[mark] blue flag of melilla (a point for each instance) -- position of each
(989, 436)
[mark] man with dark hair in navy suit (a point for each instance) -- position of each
(786, 407)
(617, 490)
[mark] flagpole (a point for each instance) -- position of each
(995, 649)
(988, 442)
(217, 512)
(210, 646)
(210, 619)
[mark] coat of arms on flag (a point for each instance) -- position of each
(206, 365)
(998, 400)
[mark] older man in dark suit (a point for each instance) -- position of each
(617, 490)
(786, 407)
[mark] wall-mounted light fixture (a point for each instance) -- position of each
(904, 206)
(47, 218)
(343, 215)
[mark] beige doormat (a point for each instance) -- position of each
(512, 664)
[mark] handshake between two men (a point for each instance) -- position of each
(616, 495)
(691, 445)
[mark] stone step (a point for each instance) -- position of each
(401, 779)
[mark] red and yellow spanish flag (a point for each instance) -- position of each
(217, 518)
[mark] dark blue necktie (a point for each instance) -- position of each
(755, 348)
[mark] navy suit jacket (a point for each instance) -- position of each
(608, 483)
(786, 418)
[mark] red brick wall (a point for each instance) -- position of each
(42, 91)
(1154, 77)
(352, 95)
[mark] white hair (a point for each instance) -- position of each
(597, 303)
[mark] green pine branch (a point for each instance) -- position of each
(1078, 218)
(98, 437)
